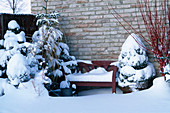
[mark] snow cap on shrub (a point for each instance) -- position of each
(13, 24)
(65, 84)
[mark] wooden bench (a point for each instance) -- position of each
(87, 67)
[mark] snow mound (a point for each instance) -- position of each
(85, 61)
(21, 36)
(2, 86)
(17, 69)
(96, 75)
(64, 84)
(13, 24)
(167, 69)
(133, 38)
(160, 88)
(99, 70)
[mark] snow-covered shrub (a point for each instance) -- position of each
(134, 68)
(18, 69)
(48, 43)
(16, 63)
(65, 84)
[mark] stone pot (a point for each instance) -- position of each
(66, 92)
(139, 86)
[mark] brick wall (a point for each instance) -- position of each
(90, 30)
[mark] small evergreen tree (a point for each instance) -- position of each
(134, 68)
(14, 63)
(48, 42)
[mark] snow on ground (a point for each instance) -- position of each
(154, 100)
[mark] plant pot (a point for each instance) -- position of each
(126, 89)
(139, 86)
(54, 93)
(66, 92)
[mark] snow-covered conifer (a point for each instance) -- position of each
(48, 42)
(134, 68)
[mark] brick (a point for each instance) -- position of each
(98, 49)
(103, 45)
(89, 29)
(102, 20)
(103, 29)
(51, 7)
(96, 17)
(102, 12)
(90, 37)
(69, 10)
(54, 3)
(89, 45)
(88, 21)
(129, 1)
(113, 48)
(123, 6)
(33, 4)
(95, 25)
(36, 8)
(76, 22)
(84, 41)
(74, 14)
(90, 4)
(84, 49)
(95, 8)
(68, 2)
(95, 0)
(75, 5)
(81, 1)
(70, 34)
(61, 6)
(77, 45)
(82, 17)
(76, 30)
(97, 41)
(88, 13)
(85, 57)
(96, 33)
(125, 15)
(73, 41)
(108, 16)
(109, 24)
(82, 25)
(81, 9)
(100, 4)
(129, 10)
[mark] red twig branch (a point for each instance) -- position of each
(156, 18)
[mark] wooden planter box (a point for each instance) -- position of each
(27, 23)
